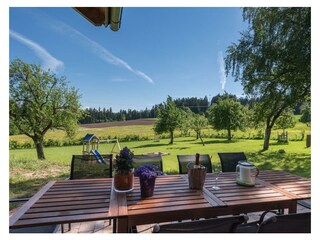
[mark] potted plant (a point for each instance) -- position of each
(123, 171)
(147, 174)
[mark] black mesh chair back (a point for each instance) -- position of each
(214, 225)
(139, 160)
(183, 161)
(88, 166)
(289, 223)
(229, 160)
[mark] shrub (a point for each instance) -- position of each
(13, 144)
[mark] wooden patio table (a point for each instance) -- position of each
(71, 201)
(66, 201)
(173, 200)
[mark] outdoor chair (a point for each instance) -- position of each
(88, 167)
(214, 225)
(139, 160)
(229, 160)
(184, 160)
(288, 223)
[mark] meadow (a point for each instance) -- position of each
(27, 174)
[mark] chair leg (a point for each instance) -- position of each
(114, 227)
(62, 227)
(134, 229)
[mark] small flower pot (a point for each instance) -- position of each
(147, 186)
(123, 181)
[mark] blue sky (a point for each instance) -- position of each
(159, 51)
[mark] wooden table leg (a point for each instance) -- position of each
(293, 207)
(122, 225)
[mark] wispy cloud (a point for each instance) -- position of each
(120, 80)
(49, 61)
(222, 74)
(98, 50)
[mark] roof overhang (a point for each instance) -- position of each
(102, 16)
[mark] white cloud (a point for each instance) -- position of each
(99, 50)
(222, 74)
(49, 61)
(120, 80)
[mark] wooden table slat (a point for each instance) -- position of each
(64, 213)
(66, 208)
(170, 209)
(166, 204)
(67, 199)
(255, 201)
(71, 203)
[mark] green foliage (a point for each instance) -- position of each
(286, 120)
(306, 114)
(185, 123)
(169, 117)
(199, 122)
(272, 60)
(227, 114)
(40, 101)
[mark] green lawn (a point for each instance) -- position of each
(27, 174)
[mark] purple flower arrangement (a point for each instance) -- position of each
(124, 161)
(147, 171)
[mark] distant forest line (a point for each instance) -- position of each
(196, 105)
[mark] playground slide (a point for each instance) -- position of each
(98, 156)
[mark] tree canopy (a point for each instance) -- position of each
(227, 114)
(286, 120)
(40, 101)
(198, 123)
(168, 118)
(272, 60)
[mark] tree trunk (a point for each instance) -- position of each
(267, 138)
(171, 137)
(229, 135)
(201, 140)
(39, 148)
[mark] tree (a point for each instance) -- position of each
(199, 122)
(168, 118)
(272, 61)
(306, 113)
(185, 123)
(286, 120)
(40, 101)
(227, 114)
